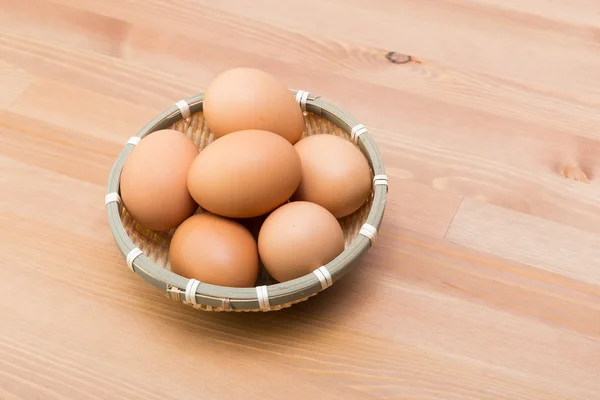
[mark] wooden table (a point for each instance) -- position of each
(485, 279)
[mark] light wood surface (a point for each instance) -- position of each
(484, 282)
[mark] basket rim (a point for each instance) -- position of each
(278, 295)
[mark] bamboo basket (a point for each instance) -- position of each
(146, 251)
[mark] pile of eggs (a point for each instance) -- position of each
(257, 194)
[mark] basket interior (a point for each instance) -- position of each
(155, 245)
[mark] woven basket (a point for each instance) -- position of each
(147, 252)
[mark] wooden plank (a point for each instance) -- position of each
(7, 396)
(13, 82)
(56, 149)
(52, 198)
(489, 280)
(433, 297)
(530, 240)
(468, 332)
(579, 12)
(86, 112)
(333, 341)
(459, 35)
(478, 91)
(190, 47)
(64, 25)
(417, 207)
(78, 360)
(473, 157)
(94, 72)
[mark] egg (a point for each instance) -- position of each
(247, 98)
(153, 183)
(245, 174)
(214, 250)
(335, 174)
(298, 238)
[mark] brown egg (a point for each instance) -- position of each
(246, 98)
(214, 250)
(335, 174)
(154, 180)
(298, 238)
(245, 174)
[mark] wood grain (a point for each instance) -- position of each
(346, 58)
(526, 239)
(397, 26)
(483, 283)
(13, 81)
(70, 107)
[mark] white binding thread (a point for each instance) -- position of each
(301, 97)
(380, 180)
(357, 131)
(190, 291)
(184, 109)
(369, 231)
(226, 304)
(263, 297)
(133, 254)
(327, 275)
(133, 140)
(321, 278)
(112, 197)
(324, 277)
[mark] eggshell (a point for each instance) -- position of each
(153, 181)
(245, 174)
(298, 238)
(335, 174)
(214, 250)
(246, 98)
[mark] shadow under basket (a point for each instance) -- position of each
(146, 252)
